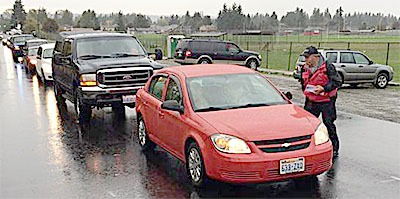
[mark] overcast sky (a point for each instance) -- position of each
(208, 7)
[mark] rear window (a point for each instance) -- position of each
(200, 45)
(182, 44)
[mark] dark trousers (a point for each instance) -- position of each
(328, 110)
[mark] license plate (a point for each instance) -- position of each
(291, 165)
(127, 99)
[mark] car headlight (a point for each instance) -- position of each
(16, 48)
(33, 62)
(321, 135)
(229, 144)
(259, 57)
(88, 80)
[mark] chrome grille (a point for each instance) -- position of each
(278, 145)
(134, 76)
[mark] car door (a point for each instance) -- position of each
(172, 126)
(220, 53)
(70, 73)
(366, 69)
(237, 56)
(152, 103)
(39, 62)
(347, 63)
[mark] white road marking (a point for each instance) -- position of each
(392, 180)
(396, 178)
(111, 194)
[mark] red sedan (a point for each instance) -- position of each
(229, 123)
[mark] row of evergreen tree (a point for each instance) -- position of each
(229, 19)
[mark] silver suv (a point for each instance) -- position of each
(354, 67)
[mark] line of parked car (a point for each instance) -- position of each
(225, 122)
(34, 53)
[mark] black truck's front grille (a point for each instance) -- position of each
(124, 77)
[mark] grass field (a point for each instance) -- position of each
(277, 48)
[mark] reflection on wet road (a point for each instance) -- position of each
(44, 153)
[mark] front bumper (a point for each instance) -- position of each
(264, 167)
(106, 97)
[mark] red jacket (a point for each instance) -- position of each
(320, 77)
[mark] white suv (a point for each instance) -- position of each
(354, 67)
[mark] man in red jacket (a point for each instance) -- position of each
(320, 83)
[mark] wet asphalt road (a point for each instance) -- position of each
(45, 154)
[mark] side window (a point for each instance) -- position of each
(174, 91)
(39, 52)
(346, 58)
(232, 48)
(331, 57)
(219, 47)
(58, 47)
(360, 58)
(67, 50)
(157, 86)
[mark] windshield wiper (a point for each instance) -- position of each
(125, 55)
(84, 57)
(211, 108)
(250, 105)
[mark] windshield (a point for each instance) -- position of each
(21, 40)
(221, 92)
(32, 51)
(94, 48)
(48, 53)
(35, 43)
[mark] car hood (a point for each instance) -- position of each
(91, 66)
(251, 52)
(263, 123)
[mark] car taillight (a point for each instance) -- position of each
(188, 53)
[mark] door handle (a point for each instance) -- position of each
(343, 66)
(161, 114)
(360, 66)
(145, 103)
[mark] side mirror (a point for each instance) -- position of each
(288, 94)
(172, 105)
(66, 60)
(38, 57)
(371, 62)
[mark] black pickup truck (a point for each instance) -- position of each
(99, 69)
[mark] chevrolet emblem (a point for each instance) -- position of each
(286, 145)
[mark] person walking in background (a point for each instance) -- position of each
(320, 82)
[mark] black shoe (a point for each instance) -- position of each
(335, 154)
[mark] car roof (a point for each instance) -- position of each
(35, 40)
(23, 35)
(207, 70)
(90, 34)
(47, 46)
(207, 40)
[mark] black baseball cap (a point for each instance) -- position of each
(311, 50)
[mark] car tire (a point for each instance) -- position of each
(195, 166)
(252, 64)
(381, 81)
(83, 111)
(58, 94)
(119, 111)
(143, 138)
(204, 61)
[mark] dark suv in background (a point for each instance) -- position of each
(99, 69)
(202, 51)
